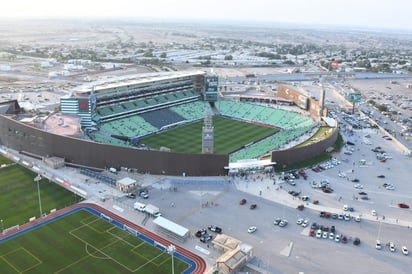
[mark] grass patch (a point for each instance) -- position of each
(19, 199)
(73, 245)
(229, 135)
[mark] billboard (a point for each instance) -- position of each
(303, 102)
(354, 97)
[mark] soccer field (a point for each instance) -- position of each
(229, 135)
(19, 198)
(82, 242)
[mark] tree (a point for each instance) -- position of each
(163, 55)
(148, 53)
(228, 57)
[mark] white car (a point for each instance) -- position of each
(325, 235)
(299, 221)
(305, 223)
(358, 186)
(390, 187)
(378, 245)
(337, 238)
(252, 229)
(405, 250)
(373, 212)
(392, 247)
(331, 236)
(319, 234)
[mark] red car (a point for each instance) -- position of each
(312, 232)
(242, 202)
(327, 190)
(403, 205)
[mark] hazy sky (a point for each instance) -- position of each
(367, 13)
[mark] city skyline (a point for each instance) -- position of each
(366, 14)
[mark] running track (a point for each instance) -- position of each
(200, 265)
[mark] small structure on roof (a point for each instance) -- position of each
(126, 184)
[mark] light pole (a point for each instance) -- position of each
(37, 179)
(171, 250)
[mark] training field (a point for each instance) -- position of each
(229, 135)
(18, 195)
(82, 242)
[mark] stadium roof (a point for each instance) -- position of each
(171, 226)
(126, 181)
(249, 164)
(133, 79)
(329, 121)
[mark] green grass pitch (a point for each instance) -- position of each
(83, 243)
(18, 195)
(229, 135)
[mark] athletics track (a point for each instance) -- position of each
(197, 264)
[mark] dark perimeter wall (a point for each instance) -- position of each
(295, 155)
(22, 137)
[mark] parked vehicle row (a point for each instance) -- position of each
(392, 247)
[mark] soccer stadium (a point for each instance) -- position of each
(173, 123)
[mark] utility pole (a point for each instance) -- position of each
(37, 179)
(171, 250)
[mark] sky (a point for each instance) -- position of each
(360, 13)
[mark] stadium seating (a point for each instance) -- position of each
(97, 175)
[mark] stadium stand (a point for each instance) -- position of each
(97, 175)
(192, 111)
(162, 117)
(118, 108)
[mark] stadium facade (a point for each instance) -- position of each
(102, 104)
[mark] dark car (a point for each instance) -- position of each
(356, 241)
(344, 239)
(327, 190)
(242, 202)
(253, 206)
(215, 228)
(403, 205)
(355, 180)
(314, 226)
(200, 232)
(362, 193)
(381, 176)
(332, 229)
(300, 207)
(206, 238)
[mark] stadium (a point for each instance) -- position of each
(172, 123)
